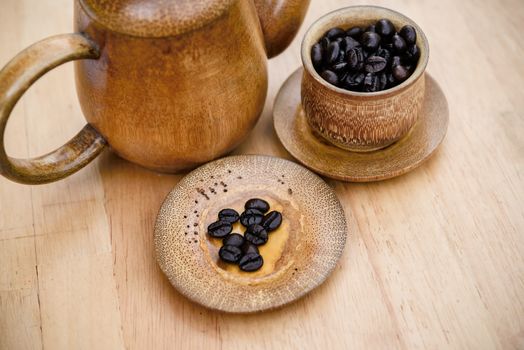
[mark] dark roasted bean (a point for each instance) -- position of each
(335, 33)
(413, 53)
(370, 40)
(234, 239)
(400, 73)
(257, 203)
(355, 32)
(337, 67)
(229, 215)
(272, 221)
(384, 53)
(251, 216)
(251, 262)
(350, 43)
(249, 248)
(371, 83)
(330, 77)
(256, 234)
(385, 28)
(230, 254)
(399, 44)
(355, 59)
(395, 61)
(409, 34)
(383, 81)
(375, 64)
(219, 229)
(317, 55)
(332, 52)
(325, 43)
(371, 28)
(391, 80)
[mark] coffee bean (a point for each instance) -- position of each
(334, 33)
(219, 229)
(272, 221)
(257, 203)
(354, 81)
(355, 59)
(317, 55)
(325, 43)
(399, 45)
(234, 239)
(230, 254)
(355, 32)
(371, 28)
(330, 77)
(371, 83)
(383, 81)
(385, 28)
(256, 234)
(409, 34)
(385, 53)
(249, 248)
(413, 53)
(375, 64)
(340, 66)
(391, 80)
(350, 43)
(400, 73)
(395, 61)
(332, 52)
(251, 262)
(370, 40)
(251, 217)
(228, 215)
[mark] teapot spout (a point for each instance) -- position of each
(280, 21)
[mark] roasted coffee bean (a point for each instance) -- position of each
(350, 43)
(400, 73)
(385, 28)
(355, 59)
(251, 262)
(354, 81)
(256, 234)
(371, 83)
(325, 43)
(249, 248)
(370, 40)
(355, 32)
(219, 229)
(335, 33)
(413, 53)
(251, 217)
(384, 53)
(383, 81)
(272, 221)
(409, 34)
(257, 203)
(372, 28)
(234, 239)
(395, 61)
(330, 77)
(229, 215)
(399, 44)
(332, 52)
(317, 55)
(340, 66)
(375, 64)
(230, 253)
(391, 80)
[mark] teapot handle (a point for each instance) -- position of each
(15, 78)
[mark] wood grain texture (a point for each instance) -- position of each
(433, 260)
(361, 121)
(312, 150)
(298, 256)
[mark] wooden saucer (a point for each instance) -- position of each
(297, 257)
(320, 156)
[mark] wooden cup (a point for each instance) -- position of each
(361, 121)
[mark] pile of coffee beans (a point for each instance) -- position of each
(243, 250)
(366, 59)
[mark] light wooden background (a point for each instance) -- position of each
(434, 259)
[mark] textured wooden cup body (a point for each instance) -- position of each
(361, 121)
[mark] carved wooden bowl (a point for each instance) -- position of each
(361, 121)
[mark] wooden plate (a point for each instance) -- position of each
(297, 257)
(322, 157)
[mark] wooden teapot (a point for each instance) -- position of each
(167, 84)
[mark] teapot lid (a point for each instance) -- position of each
(154, 18)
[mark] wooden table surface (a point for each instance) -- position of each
(435, 258)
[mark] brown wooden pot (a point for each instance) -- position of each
(167, 84)
(361, 121)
